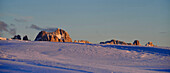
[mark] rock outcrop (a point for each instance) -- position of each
(18, 37)
(116, 42)
(136, 42)
(1, 38)
(57, 36)
(149, 44)
(84, 41)
(129, 43)
(25, 38)
(81, 41)
(75, 41)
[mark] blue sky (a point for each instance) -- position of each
(92, 20)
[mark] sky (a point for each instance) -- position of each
(92, 20)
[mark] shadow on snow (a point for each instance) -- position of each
(32, 63)
(152, 50)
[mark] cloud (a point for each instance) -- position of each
(12, 25)
(20, 20)
(42, 29)
(5, 28)
(12, 31)
(50, 29)
(23, 19)
(163, 32)
(35, 27)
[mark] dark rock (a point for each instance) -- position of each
(116, 42)
(25, 37)
(57, 36)
(129, 44)
(102, 42)
(149, 44)
(107, 42)
(78, 41)
(60, 40)
(18, 37)
(136, 42)
(122, 43)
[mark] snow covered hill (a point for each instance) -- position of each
(55, 57)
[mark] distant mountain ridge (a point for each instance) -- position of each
(60, 35)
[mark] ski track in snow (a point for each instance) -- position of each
(51, 57)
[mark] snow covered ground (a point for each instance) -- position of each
(55, 57)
